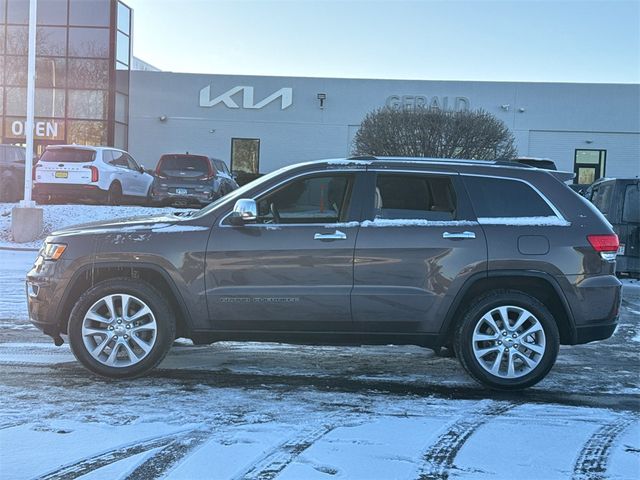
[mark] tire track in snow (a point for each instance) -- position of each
(157, 465)
(438, 460)
(269, 465)
(594, 457)
(89, 464)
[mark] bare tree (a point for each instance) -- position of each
(423, 132)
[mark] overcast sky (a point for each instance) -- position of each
(515, 40)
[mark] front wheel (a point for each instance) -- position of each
(507, 340)
(120, 328)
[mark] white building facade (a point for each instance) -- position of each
(257, 124)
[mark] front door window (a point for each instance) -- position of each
(309, 200)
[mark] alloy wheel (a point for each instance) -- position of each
(119, 330)
(508, 342)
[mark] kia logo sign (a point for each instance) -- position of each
(284, 94)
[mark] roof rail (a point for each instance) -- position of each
(362, 157)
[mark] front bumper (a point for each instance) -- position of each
(45, 289)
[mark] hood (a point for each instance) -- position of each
(122, 225)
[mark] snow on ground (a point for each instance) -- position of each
(13, 303)
(61, 216)
(262, 411)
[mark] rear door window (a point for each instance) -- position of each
(119, 159)
(505, 198)
(68, 155)
(419, 197)
(220, 166)
(631, 207)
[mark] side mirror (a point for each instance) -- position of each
(141, 168)
(244, 211)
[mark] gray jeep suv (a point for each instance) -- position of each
(498, 261)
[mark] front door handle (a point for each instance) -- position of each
(337, 235)
(459, 235)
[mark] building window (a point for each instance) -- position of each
(589, 165)
(245, 155)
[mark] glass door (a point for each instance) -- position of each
(589, 165)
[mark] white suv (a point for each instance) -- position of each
(95, 173)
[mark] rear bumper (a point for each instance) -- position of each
(168, 198)
(594, 332)
(45, 190)
(595, 303)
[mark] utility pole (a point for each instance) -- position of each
(26, 219)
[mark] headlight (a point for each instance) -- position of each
(53, 251)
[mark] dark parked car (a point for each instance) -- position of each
(619, 200)
(503, 263)
(12, 159)
(184, 179)
(545, 163)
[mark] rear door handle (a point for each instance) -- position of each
(459, 235)
(337, 235)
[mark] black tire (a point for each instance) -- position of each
(162, 312)
(9, 190)
(463, 339)
(114, 195)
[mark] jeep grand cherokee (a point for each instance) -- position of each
(500, 262)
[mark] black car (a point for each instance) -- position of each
(11, 172)
(544, 163)
(185, 179)
(499, 261)
(619, 200)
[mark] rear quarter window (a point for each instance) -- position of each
(505, 198)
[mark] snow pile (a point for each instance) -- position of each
(349, 163)
(383, 222)
(550, 221)
(57, 217)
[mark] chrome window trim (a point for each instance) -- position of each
(535, 189)
(273, 225)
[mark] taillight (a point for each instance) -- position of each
(95, 175)
(606, 245)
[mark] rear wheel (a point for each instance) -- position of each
(507, 340)
(114, 195)
(121, 328)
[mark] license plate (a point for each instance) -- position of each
(181, 191)
(621, 249)
(62, 174)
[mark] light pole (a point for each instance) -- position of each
(26, 219)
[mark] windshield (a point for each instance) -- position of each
(68, 155)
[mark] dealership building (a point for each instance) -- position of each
(90, 92)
